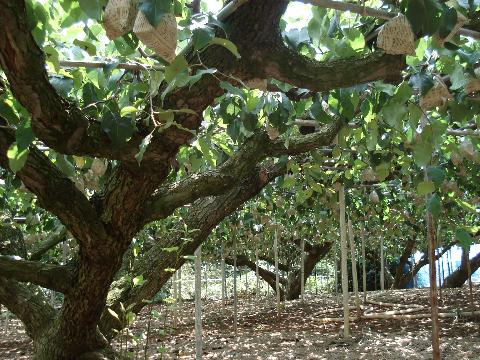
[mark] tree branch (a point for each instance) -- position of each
(286, 65)
(29, 304)
(55, 277)
(56, 193)
(217, 181)
(43, 247)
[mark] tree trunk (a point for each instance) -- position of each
(399, 282)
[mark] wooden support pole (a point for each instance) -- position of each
(335, 263)
(302, 269)
(344, 256)
(179, 277)
(364, 267)
(175, 297)
(224, 285)
(257, 290)
(353, 254)
(382, 265)
(235, 295)
(198, 304)
(277, 275)
(431, 236)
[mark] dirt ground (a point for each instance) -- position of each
(300, 332)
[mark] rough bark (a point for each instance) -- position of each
(203, 216)
(27, 302)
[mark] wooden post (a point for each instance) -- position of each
(344, 256)
(277, 276)
(198, 304)
(257, 291)
(353, 254)
(439, 244)
(235, 299)
(431, 236)
(175, 297)
(364, 267)
(222, 270)
(302, 269)
(335, 263)
(382, 265)
(206, 280)
(246, 281)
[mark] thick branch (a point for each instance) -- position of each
(217, 181)
(286, 65)
(56, 193)
(48, 244)
(55, 277)
(29, 304)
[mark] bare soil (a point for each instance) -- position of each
(300, 332)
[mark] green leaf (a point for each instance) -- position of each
(16, 157)
(230, 46)
(178, 65)
(127, 110)
(86, 46)
(424, 15)
(458, 78)
(464, 238)
(24, 135)
(119, 129)
(425, 187)
(143, 146)
(155, 9)
(93, 8)
(434, 205)
(6, 110)
(422, 153)
(65, 166)
(202, 36)
(393, 114)
(138, 280)
(436, 174)
(319, 114)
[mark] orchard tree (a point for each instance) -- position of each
(117, 143)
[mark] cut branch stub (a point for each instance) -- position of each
(119, 17)
(436, 96)
(397, 37)
(162, 39)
